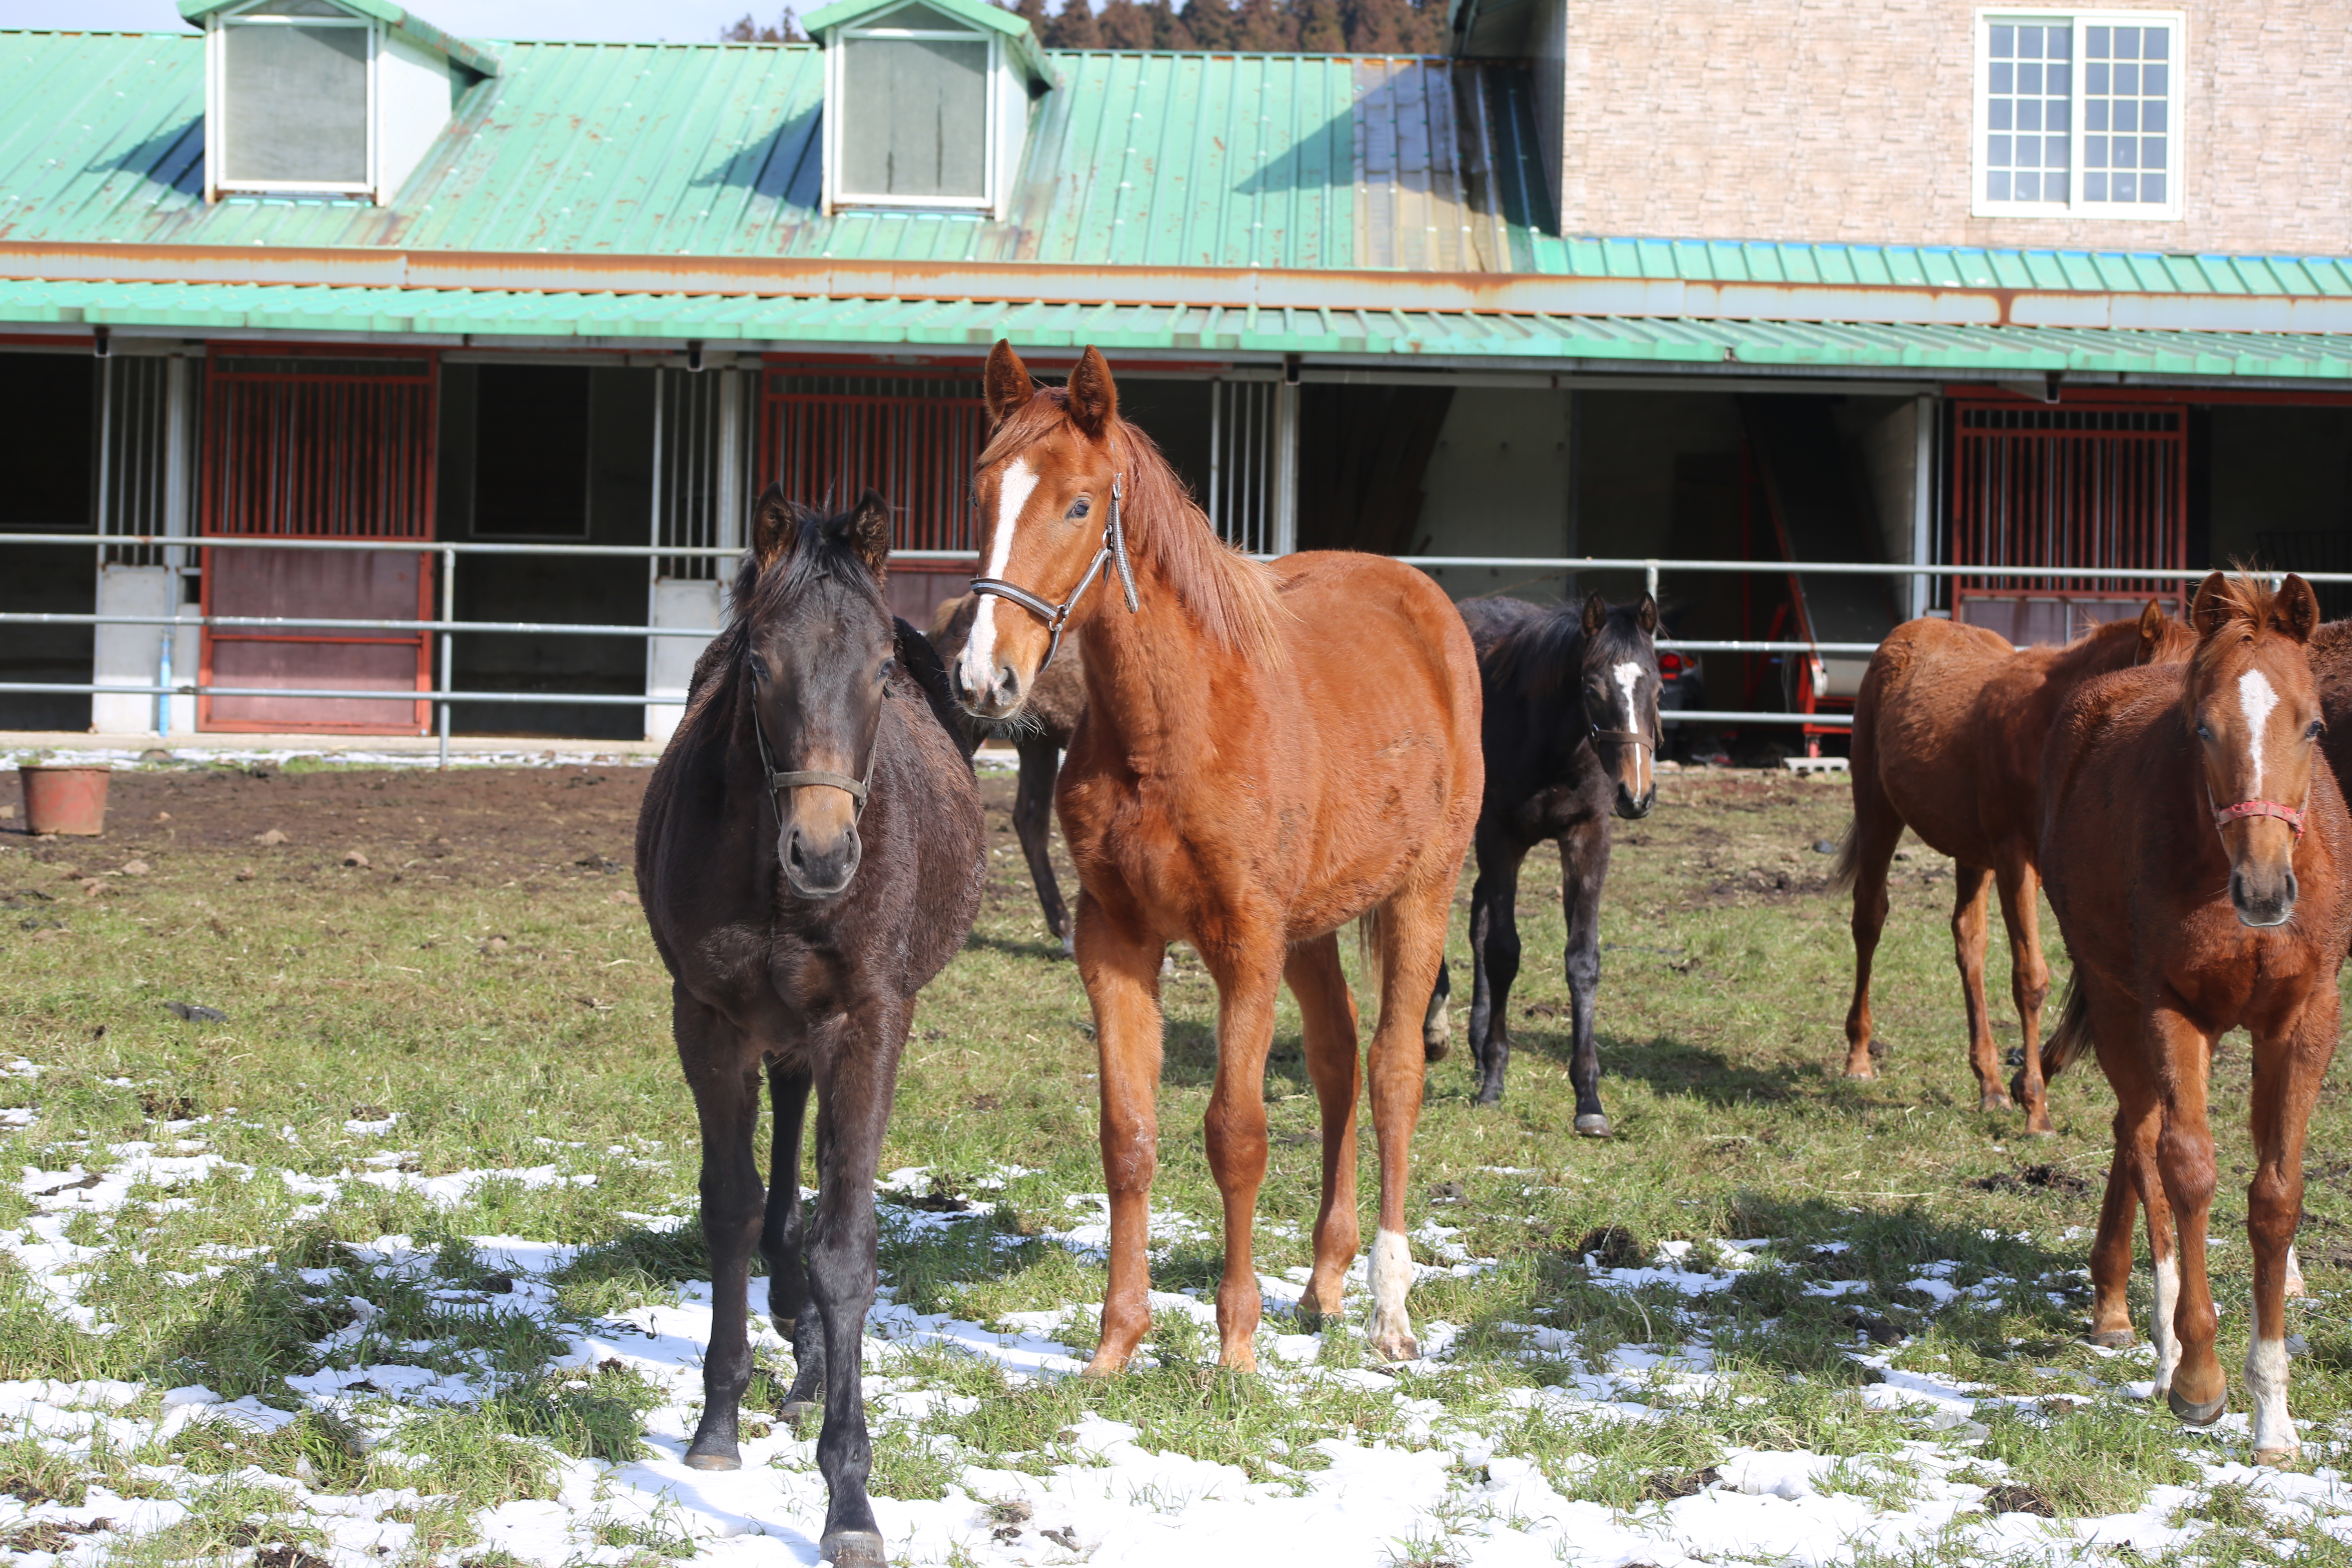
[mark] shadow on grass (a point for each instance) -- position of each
(1673, 1068)
(1027, 947)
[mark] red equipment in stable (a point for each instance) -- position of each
(2090, 484)
(915, 434)
(318, 442)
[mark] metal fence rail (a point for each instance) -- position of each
(443, 697)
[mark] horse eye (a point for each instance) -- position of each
(1079, 508)
(889, 667)
(2313, 733)
(758, 668)
(2203, 734)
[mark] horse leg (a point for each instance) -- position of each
(1877, 831)
(1437, 1025)
(722, 1069)
(2184, 1152)
(1120, 967)
(1970, 885)
(2287, 1074)
(1033, 822)
(2131, 1179)
(1328, 1011)
(781, 1241)
(1412, 945)
(1494, 960)
(1583, 869)
(1247, 974)
(2029, 985)
(853, 1108)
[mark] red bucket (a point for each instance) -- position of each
(64, 798)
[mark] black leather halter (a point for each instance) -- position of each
(856, 789)
(1056, 616)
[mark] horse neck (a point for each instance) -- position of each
(2095, 655)
(1149, 673)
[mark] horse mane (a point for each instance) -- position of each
(1231, 595)
(1536, 654)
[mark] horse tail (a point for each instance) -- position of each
(1368, 946)
(2073, 1035)
(1848, 864)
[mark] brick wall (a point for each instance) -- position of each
(1851, 120)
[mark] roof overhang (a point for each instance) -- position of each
(399, 18)
(1524, 294)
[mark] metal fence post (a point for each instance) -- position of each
(448, 642)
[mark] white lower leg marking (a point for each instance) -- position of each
(2167, 1342)
(1389, 1272)
(2255, 700)
(2266, 1381)
(980, 649)
(2295, 1285)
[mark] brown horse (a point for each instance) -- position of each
(1267, 754)
(1948, 732)
(1040, 733)
(2195, 853)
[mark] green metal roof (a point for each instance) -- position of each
(399, 18)
(713, 150)
(975, 324)
(1026, 50)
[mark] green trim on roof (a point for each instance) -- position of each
(399, 18)
(1026, 51)
(1395, 337)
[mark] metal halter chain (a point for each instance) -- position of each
(2225, 815)
(1056, 616)
(856, 789)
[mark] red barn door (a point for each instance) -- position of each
(318, 443)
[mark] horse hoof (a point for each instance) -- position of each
(2113, 1339)
(1435, 1048)
(796, 1412)
(2278, 1459)
(2194, 1413)
(1993, 1100)
(1592, 1124)
(1396, 1347)
(1860, 1073)
(1489, 1097)
(713, 1462)
(853, 1549)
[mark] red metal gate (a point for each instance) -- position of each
(914, 435)
(2071, 484)
(318, 443)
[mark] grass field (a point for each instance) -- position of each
(396, 1261)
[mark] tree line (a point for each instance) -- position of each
(1267, 26)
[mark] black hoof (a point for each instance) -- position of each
(797, 1413)
(2195, 1414)
(853, 1549)
(1436, 1048)
(1592, 1124)
(1490, 1095)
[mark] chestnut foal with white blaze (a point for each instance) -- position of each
(1267, 754)
(2194, 843)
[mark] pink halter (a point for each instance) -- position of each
(2225, 815)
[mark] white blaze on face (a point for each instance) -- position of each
(980, 650)
(2266, 1380)
(1628, 677)
(2255, 700)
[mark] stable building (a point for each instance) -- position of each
(518, 328)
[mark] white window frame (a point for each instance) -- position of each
(2169, 210)
(217, 181)
(837, 97)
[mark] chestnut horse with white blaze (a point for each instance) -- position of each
(2194, 845)
(1948, 733)
(1267, 754)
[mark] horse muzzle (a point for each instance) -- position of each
(2262, 897)
(1000, 698)
(816, 867)
(1633, 808)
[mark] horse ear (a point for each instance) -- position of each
(1007, 382)
(1645, 615)
(1596, 613)
(870, 533)
(2151, 629)
(1093, 400)
(2299, 608)
(2209, 612)
(774, 523)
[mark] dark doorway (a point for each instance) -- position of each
(47, 416)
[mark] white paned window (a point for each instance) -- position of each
(2078, 114)
(913, 116)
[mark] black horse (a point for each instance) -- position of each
(1572, 734)
(809, 856)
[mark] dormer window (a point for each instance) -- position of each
(927, 103)
(336, 98)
